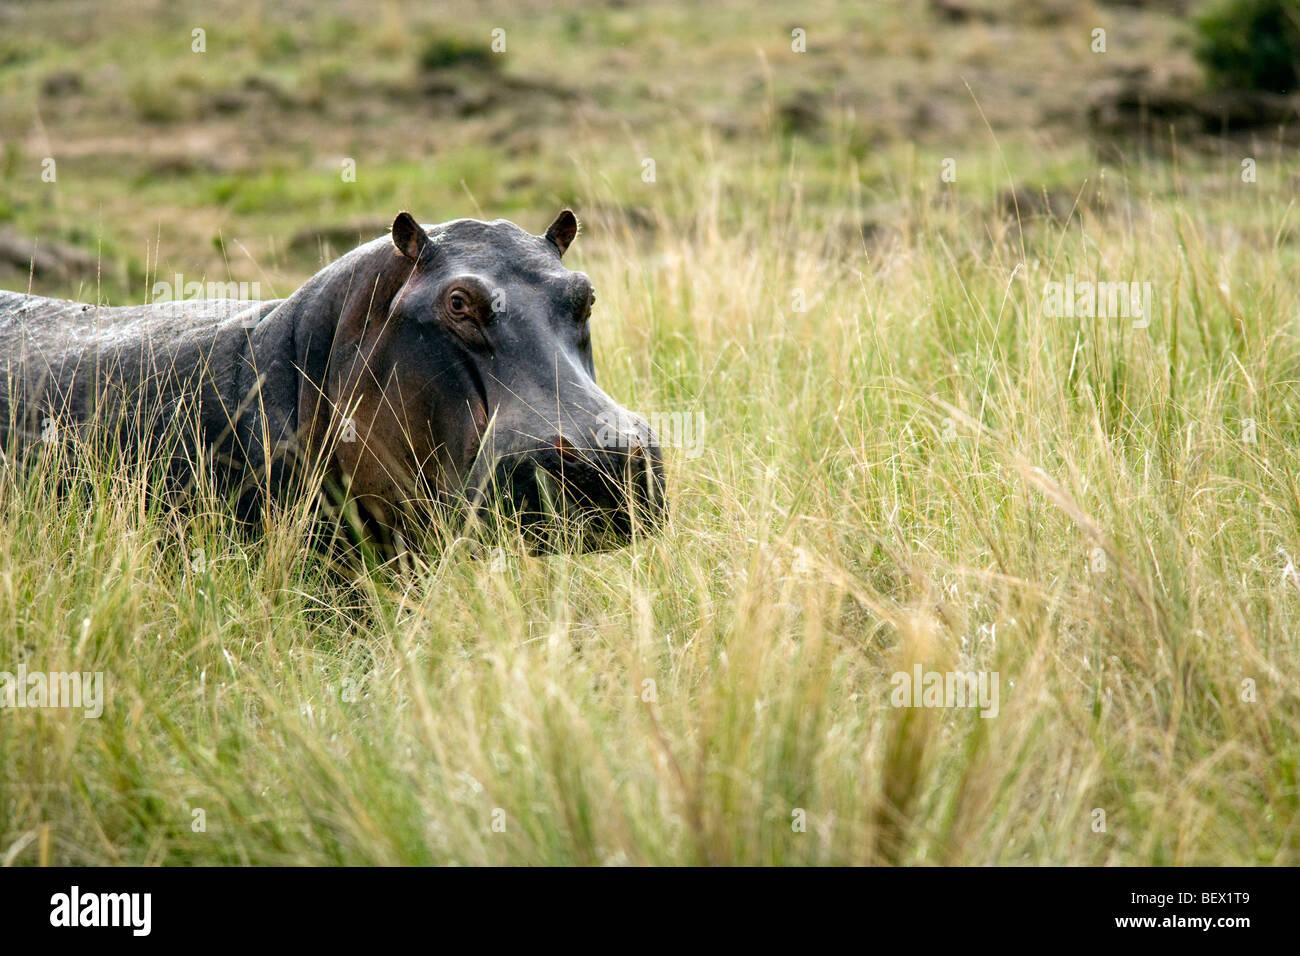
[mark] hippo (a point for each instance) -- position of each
(438, 367)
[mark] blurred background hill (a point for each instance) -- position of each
(251, 141)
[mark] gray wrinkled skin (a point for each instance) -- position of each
(446, 398)
(63, 364)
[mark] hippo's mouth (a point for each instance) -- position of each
(579, 502)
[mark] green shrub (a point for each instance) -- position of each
(441, 52)
(1251, 44)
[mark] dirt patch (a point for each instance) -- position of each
(338, 238)
(1054, 203)
(1143, 107)
(45, 259)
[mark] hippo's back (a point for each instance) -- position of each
(36, 327)
(63, 359)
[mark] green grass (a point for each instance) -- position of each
(921, 467)
(827, 537)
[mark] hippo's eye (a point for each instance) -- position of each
(466, 306)
(460, 303)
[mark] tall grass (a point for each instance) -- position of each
(921, 466)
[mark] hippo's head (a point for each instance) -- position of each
(471, 377)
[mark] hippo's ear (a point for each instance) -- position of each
(408, 236)
(563, 230)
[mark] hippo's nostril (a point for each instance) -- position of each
(566, 449)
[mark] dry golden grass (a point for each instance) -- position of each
(922, 467)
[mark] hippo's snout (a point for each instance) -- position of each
(592, 490)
